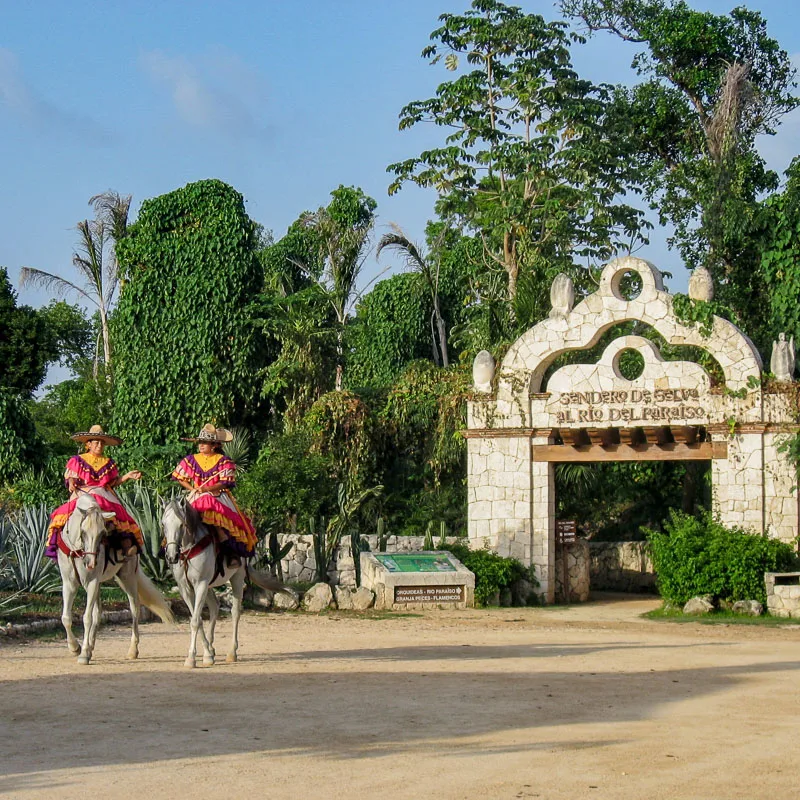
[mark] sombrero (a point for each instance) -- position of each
(96, 432)
(210, 434)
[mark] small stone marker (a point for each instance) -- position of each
(417, 580)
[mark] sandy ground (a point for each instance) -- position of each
(587, 701)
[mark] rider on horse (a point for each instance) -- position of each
(209, 476)
(97, 474)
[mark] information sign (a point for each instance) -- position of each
(416, 562)
(566, 531)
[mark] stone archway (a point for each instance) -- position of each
(591, 412)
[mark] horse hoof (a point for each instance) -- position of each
(74, 649)
(208, 662)
(83, 660)
(231, 658)
(132, 656)
(189, 663)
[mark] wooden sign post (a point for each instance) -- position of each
(566, 533)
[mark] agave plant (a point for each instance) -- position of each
(25, 567)
(145, 506)
(238, 449)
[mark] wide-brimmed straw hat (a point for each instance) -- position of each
(210, 435)
(96, 432)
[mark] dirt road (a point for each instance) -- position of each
(589, 701)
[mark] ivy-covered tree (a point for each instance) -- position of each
(187, 349)
(528, 164)
(396, 323)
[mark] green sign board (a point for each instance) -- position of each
(416, 562)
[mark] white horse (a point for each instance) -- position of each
(192, 552)
(85, 559)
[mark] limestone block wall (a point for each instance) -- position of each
(621, 567)
(543, 524)
(781, 498)
(738, 481)
(499, 494)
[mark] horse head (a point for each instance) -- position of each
(91, 528)
(180, 523)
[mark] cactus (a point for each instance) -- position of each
(272, 556)
(382, 535)
(442, 545)
(427, 543)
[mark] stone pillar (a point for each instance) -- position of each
(781, 498)
(499, 495)
(544, 513)
(738, 481)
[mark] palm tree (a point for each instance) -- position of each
(343, 232)
(417, 261)
(96, 263)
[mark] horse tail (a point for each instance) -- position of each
(264, 581)
(153, 599)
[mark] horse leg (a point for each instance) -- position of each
(200, 591)
(92, 598)
(127, 579)
(208, 641)
(237, 587)
(69, 588)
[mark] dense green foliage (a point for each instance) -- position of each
(697, 555)
(493, 573)
(20, 445)
(27, 344)
(710, 85)
(186, 350)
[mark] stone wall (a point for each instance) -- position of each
(621, 567)
(578, 560)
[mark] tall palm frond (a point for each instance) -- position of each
(96, 263)
(30, 276)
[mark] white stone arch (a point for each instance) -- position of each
(583, 326)
(517, 431)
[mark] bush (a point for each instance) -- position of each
(493, 573)
(697, 555)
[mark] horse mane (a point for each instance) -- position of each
(193, 519)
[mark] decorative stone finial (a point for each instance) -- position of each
(483, 372)
(562, 295)
(782, 363)
(701, 286)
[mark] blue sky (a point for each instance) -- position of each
(283, 100)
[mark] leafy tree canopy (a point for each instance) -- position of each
(528, 163)
(27, 342)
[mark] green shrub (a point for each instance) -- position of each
(697, 555)
(493, 573)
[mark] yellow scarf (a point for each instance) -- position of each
(95, 462)
(206, 462)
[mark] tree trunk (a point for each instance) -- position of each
(442, 332)
(339, 365)
(106, 342)
(512, 268)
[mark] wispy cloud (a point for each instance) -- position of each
(24, 103)
(216, 91)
